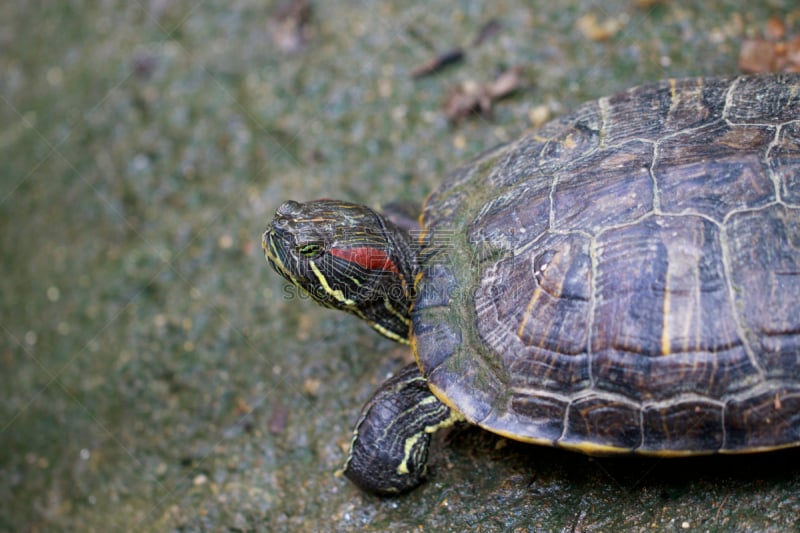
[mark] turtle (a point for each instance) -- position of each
(623, 279)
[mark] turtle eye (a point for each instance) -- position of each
(309, 249)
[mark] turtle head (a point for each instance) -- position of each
(346, 256)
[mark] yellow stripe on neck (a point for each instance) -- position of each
(336, 293)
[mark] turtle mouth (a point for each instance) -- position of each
(275, 252)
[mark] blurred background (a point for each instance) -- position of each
(156, 375)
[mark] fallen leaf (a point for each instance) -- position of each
(772, 53)
(470, 97)
(597, 30)
(289, 25)
(775, 29)
(758, 55)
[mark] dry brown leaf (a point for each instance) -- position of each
(758, 55)
(470, 97)
(597, 30)
(775, 29)
(773, 53)
(506, 83)
(289, 25)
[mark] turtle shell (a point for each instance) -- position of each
(625, 278)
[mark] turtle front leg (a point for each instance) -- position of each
(389, 452)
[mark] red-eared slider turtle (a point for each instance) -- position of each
(623, 279)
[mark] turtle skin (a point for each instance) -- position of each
(627, 277)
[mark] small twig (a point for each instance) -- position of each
(720, 506)
(438, 63)
(487, 31)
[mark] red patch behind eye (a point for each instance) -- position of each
(366, 257)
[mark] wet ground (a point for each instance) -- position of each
(157, 376)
